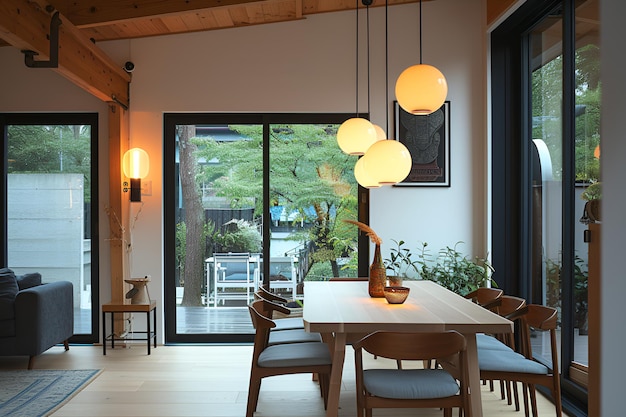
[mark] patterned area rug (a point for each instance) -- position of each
(39, 392)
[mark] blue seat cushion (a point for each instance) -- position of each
(295, 354)
(293, 336)
(410, 383)
(484, 341)
(503, 361)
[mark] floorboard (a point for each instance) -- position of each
(209, 381)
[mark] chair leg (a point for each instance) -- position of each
(509, 398)
(447, 412)
(515, 395)
(66, 343)
(253, 395)
(31, 362)
(526, 406)
(533, 399)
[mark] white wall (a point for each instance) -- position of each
(302, 66)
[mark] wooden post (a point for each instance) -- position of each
(118, 210)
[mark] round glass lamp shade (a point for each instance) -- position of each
(387, 162)
(362, 177)
(136, 163)
(421, 89)
(356, 135)
(380, 133)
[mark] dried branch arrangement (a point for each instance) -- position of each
(367, 230)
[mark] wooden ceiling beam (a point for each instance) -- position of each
(25, 24)
(96, 12)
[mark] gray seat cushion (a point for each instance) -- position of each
(293, 336)
(503, 361)
(484, 341)
(295, 354)
(410, 383)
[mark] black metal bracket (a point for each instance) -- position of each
(53, 62)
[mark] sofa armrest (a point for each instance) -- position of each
(44, 316)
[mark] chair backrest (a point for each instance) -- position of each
(412, 346)
(486, 297)
(511, 307)
(265, 294)
(540, 318)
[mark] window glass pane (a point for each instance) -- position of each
(588, 88)
(312, 188)
(546, 61)
(49, 206)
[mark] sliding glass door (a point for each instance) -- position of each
(251, 200)
(546, 168)
(49, 195)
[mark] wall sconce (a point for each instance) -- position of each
(136, 165)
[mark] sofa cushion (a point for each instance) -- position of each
(8, 291)
(28, 280)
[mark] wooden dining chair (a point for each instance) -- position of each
(486, 297)
(522, 367)
(271, 307)
(284, 359)
(412, 388)
(281, 336)
(509, 307)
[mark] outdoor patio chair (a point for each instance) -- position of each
(284, 359)
(412, 388)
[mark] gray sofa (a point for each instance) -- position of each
(34, 316)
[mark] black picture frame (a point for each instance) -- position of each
(428, 139)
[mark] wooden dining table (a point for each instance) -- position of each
(343, 312)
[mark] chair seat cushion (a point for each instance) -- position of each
(484, 341)
(410, 383)
(295, 354)
(288, 323)
(293, 336)
(503, 361)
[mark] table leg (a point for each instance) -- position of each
(338, 351)
(112, 330)
(475, 401)
(104, 334)
(154, 322)
(148, 330)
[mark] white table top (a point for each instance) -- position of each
(346, 307)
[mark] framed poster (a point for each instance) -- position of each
(428, 140)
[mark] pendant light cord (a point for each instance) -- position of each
(367, 31)
(356, 41)
(387, 67)
(420, 31)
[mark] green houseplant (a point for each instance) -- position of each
(400, 263)
(455, 271)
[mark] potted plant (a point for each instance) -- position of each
(400, 264)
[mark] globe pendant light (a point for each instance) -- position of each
(421, 89)
(362, 176)
(387, 162)
(356, 135)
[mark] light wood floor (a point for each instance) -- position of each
(186, 381)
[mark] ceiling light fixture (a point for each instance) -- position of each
(421, 89)
(356, 134)
(387, 162)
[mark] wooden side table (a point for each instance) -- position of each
(112, 308)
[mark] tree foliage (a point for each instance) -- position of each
(309, 178)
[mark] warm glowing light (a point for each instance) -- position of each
(387, 162)
(362, 177)
(136, 163)
(380, 133)
(421, 89)
(356, 135)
